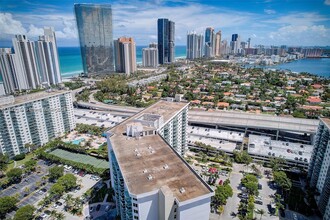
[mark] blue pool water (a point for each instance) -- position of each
(77, 141)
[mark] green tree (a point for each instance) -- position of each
(260, 212)
(291, 103)
(55, 172)
(242, 157)
(281, 179)
(56, 190)
(26, 191)
(25, 213)
(68, 181)
(4, 159)
(7, 203)
(14, 175)
(54, 215)
(252, 188)
(276, 163)
(222, 193)
(30, 165)
(251, 183)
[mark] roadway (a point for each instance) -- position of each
(224, 118)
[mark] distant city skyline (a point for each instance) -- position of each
(267, 22)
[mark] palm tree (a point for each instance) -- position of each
(69, 200)
(37, 184)
(261, 212)
(26, 191)
(220, 209)
(53, 214)
(44, 178)
(60, 216)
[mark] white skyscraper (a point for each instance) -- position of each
(195, 44)
(217, 46)
(33, 64)
(47, 58)
(24, 49)
(12, 71)
(150, 57)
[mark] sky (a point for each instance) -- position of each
(267, 22)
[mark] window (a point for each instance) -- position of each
(135, 217)
(136, 211)
(135, 205)
(174, 216)
(135, 199)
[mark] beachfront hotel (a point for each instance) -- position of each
(319, 167)
(34, 119)
(150, 178)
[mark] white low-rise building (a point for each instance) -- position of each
(295, 154)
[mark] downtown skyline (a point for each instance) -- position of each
(268, 22)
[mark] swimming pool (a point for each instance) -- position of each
(78, 141)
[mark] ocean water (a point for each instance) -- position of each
(70, 62)
(317, 66)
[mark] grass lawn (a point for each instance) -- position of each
(20, 162)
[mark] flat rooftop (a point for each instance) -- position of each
(216, 133)
(33, 97)
(148, 155)
(326, 121)
(261, 121)
(264, 146)
(226, 146)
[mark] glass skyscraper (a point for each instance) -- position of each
(166, 43)
(94, 22)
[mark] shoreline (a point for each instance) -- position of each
(71, 74)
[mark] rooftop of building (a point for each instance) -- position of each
(243, 119)
(22, 99)
(326, 121)
(148, 163)
(264, 146)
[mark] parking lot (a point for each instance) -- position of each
(233, 202)
(33, 196)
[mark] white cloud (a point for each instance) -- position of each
(298, 19)
(327, 2)
(301, 34)
(69, 30)
(138, 19)
(153, 37)
(10, 26)
(34, 31)
(269, 11)
(141, 22)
